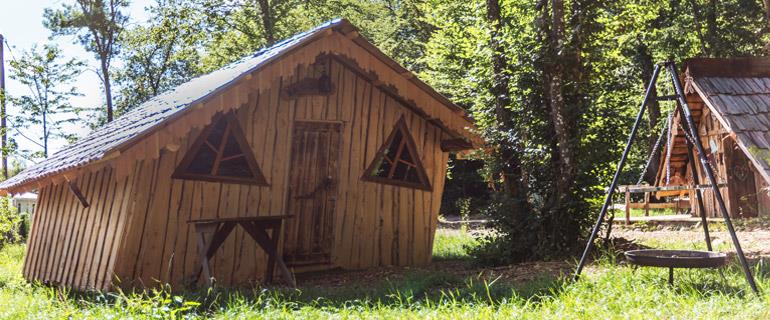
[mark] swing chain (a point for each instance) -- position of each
(692, 141)
(655, 148)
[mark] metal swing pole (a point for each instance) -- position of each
(621, 164)
(709, 173)
(695, 180)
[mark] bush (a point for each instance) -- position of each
(465, 191)
(514, 239)
(10, 223)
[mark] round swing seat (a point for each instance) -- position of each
(676, 258)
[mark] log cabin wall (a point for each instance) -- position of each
(374, 224)
(76, 246)
(742, 190)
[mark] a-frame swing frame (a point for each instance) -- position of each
(689, 125)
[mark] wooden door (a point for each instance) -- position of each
(313, 183)
(742, 199)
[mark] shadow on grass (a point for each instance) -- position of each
(417, 289)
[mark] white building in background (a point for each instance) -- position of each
(25, 202)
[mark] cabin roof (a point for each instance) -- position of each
(136, 123)
(737, 91)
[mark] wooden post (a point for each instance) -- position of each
(628, 207)
(76, 192)
(646, 204)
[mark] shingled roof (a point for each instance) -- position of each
(163, 108)
(738, 93)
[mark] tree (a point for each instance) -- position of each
(47, 107)
(97, 25)
(235, 28)
(159, 55)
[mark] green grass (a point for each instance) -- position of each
(452, 244)
(608, 290)
(653, 212)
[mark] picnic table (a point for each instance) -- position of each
(211, 233)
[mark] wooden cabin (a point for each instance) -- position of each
(321, 126)
(730, 103)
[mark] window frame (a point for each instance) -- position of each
(181, 171)
(411, 146)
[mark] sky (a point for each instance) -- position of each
(21, 23)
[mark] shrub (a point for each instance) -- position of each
(10, 222)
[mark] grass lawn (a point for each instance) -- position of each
(607, 291)
(653, 212)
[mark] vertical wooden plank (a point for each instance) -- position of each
(41, 221)
(184, 214)
(34, 231)
(173, 224)
(87, 186)
(196, 212)
(417, 234)
(367, 248)
(116, 274)
(50, 255)
(97, 203)
(148, 256)
(100, 228)
(136, 223)
(242, 241)
(353, 218)
(341, 255)
(107, 230)
(111, 233)
(86, 247)
(628, 207)
(65, 236)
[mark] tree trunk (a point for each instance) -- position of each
(766, 4)
(3, 124)
(559, 119)
(513, 175)
(711, 28)
(107, 86)
(267, 21)
(646, 64)
(45, 134)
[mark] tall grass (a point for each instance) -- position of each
(453, 244)
(607, 291)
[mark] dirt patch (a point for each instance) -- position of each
(754, 242)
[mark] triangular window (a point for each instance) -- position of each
(221, 154)
(397, 161)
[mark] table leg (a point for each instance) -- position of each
(270, 245)
(287, 276)
(671, 276)
(206, 250)
(204, 264)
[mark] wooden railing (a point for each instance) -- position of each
(677, 204)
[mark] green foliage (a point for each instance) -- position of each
(10, 222)
(465, 191)
(47, 107)
(158, 55)
(605, 58)
(97, 25)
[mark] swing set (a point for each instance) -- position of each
(673, 258)
(675, 190)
